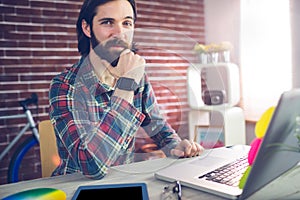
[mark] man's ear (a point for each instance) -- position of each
(86, 28)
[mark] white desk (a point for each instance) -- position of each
(143, 172)
(136, 172)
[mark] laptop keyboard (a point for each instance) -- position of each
(229, 174)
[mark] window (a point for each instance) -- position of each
(266, 64)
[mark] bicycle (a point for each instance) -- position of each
(23, 148)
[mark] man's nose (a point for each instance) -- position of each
(118, 31)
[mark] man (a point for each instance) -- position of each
(99, 104)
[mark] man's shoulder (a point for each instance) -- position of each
(68, 75)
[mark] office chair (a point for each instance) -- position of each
(48, 148)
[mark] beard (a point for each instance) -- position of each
(103, 50)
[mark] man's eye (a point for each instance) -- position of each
(128, 23)
(108, 22)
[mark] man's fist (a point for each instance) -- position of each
(130, 65)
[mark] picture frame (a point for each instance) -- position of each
(209, 136)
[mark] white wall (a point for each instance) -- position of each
(222, 23)
(222, 19)
(295, 21)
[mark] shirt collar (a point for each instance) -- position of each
(91, 80)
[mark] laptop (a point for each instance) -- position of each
(271, 160)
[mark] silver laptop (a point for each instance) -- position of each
(271, 160)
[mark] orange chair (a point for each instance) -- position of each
(48, 148)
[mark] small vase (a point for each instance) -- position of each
(214, 57)
(226, 56)
(203, 58)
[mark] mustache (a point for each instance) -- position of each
(116, 42)
(121, 43)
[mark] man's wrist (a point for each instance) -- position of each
(127, 84)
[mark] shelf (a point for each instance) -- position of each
(218, 77)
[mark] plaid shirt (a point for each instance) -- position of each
(96, 130)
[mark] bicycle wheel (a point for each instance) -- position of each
(14, 165)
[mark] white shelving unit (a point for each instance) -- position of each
(219, 76)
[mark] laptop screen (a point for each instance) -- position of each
(273, 158)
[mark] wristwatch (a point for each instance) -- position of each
(127, 84)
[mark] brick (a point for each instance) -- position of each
(44, 36)
(60, 13)
(7, 96)
(49, 20)
(35, 77)
(42, 4)
(8, 43)
(42, 85)
(7, 27)
(6, 9)
(53, 53)
(19, 53)
(6, 78)
(29, 28)
(69, 6)
(12, 35)
(35, 61)
(28, 11)
(14, 70)
(64, 38)
(31, 44)
(44, 69)
(16, 19)
(56, 45)
(16, 2)
(58, 28)
(72, 45)
(72, 14)
(16, 87)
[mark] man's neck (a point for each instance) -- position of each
(100, 70)
(97, 64)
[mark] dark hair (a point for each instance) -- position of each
(87, 13)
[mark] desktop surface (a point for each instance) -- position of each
(143, 172)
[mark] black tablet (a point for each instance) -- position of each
(133, 191)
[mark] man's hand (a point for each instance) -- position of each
(130, 65)
(187, 148)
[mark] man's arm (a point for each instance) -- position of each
(161, 132)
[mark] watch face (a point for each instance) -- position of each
(127, 84)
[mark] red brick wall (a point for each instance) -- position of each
(38, 40)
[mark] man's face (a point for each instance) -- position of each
(112, 30)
